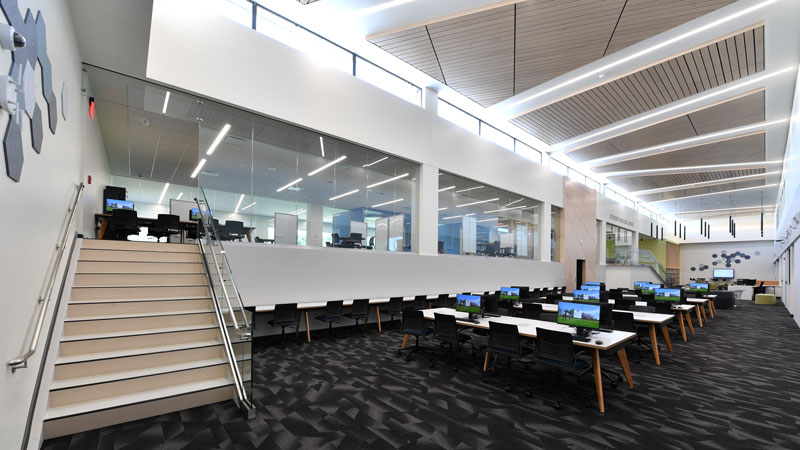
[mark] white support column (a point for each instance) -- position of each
(426, 211)
(314, 225)
(544, 233)
(601, 242)
(635, 248)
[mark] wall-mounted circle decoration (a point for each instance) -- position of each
(714, 255)
(64, 100)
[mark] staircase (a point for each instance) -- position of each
(141, 338)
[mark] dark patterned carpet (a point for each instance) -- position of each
(734, 385)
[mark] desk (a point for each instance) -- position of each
(612, 341)
(684, 312)
(712, 309)
(104, 219)
(701, 308)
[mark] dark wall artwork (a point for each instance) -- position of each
(723, 259)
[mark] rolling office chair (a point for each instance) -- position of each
(285, 316)
(233, 231)
(535, 294)
(615, 294)
(760, 289)
(531, 311)
(357, 240)
(371, 245)
(556, 350)
(563, 290)
(648, 297)
(504, 340)
(553, 298)
(123, 223)
(624, 322)
(420, 302)
(359, 311)
(335, 240)
(443, 301)
(549, 317)
(414, 324)
(447, 332)
(624, 304)
(333, 313)
(166, 226)
(395, 308)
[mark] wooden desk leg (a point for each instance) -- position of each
(713, 308)
(654, 343)
(705, 317)
(622, 355)
(308, 330)
(683, 326)
(405, 341)
(249, 239)
(378, 318)
(689, 321)
(297, 328)
(486, 362)
(103, 228)
(598, 379)
(665, 332)
(699, 319)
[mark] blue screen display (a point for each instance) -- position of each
(590, 287)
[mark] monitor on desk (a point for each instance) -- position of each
(583, 316)
(640, 284)
(194, 214)
(698, 287)
(587, 295)
(650, 288)
(112, 204)
(590, 287)
(723, 274)
(469, 304)
(523, 290)
(667, 295)
(509, 293)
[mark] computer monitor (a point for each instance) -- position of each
(587, 295)
(523, 290)
(590, 287)
(723, 274)
(698, 287)
(640, 284)
(583, 316)
(194, 214)
(112, 204)
(469, 304)
(592, 283)
(650, 288)
(667, 295)
(509, 293)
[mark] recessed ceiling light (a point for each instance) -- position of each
(343, 195)
(161, 199)
(447, 188)
(166, 102)
(289, 185)
(387, 203)
(469, 189)
(238, 204)
(218, 139)
(199, 166)
(478, 202)
(388, 181)
(251, 204)
(376, 162)
(337, 160)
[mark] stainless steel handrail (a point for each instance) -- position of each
(47, 288)
(246, 324)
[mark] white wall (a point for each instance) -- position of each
(35, 209)
(625, 276)
(759, 266)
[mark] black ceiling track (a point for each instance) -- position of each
(435, 55)
(615, 27)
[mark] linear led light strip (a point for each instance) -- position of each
(442, 209)
(251, 204)
(322, 146)
(643, 52)
(376, 162)
(199, 166)
(505, 209)
(680, 145)
(560, 147)
(469, 189)
(335, 161)
(709, 168)
(219, 138)
(179, 196)
(447, 188)
(239, 203)
(387, 203)
(166, 102)
(343, 195)
(515, 201)
(164, 191)
(727, 209)
(713, 193)
(387, 181)
(456, 217)
(705, 183)
(282, 188)
(478, 203)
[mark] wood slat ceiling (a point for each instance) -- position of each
(494, 54)
(701, 191)
(731, 114)
(634, 184)
(691, 73)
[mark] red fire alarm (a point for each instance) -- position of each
(91, 107)
(90, 180)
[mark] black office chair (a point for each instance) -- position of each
(394, 308)
(443, 301)
(447, 331)
(356, 240)
(531, 311)
(553, 298)
(548, 317)
(643, 308)
(648, 297)
(420, 302)
(535, 294)
(414, 324)
(760, 289)
(333, 313)
(285, 316)
(563, 290)
(615, 294)
(123, 223)
(359, 311)
(335, 240)
(233, 230)
(642, 331)
(555, 349)
(371, 245)
(624, 304)
(504, 340)
(166, 226)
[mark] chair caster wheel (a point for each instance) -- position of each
(557, 406)
(507, 388)
(529, 394)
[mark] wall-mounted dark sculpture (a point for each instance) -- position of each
(34, 51)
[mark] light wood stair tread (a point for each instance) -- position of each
(86, 357)
(138, 373)
(138, 315)
(129, 300)
(84, 337)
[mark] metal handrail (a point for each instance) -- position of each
(246, 324)
(47, 288)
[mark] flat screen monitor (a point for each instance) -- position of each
(509, 293)
(469, 304)
(650, 288)
(724, 274)
(112, 204)
(579, 315)
(640, 284)
(698, 287)
(587, 295)
(592, 283)
(667, 295)
(590, 287)
(194, 214)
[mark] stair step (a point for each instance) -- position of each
(138, 397)
(136, 373)
(82, 311)
(136, 300)
(138, 292)
(140, 246)
(133, 333)
(139, 267)
(138, 351)
(139, 256)
(138, 315)
(139, 279)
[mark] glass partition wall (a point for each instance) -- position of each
(476, 219)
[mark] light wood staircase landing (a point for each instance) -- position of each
(140, 338)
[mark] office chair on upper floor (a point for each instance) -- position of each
(285, 316)
(359, 311)
(123, 223)
(335, 240)
(446, 331)
(420, 302)
(394, 308)
(504, 340)
(414, 324)
(531, 311)
(333, 313)
(556, 350)
(233, 231)
(443, 301)
(166, 226)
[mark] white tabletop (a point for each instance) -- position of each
(638, 316)
(346, 303)
(527, 328)
(697, 300)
